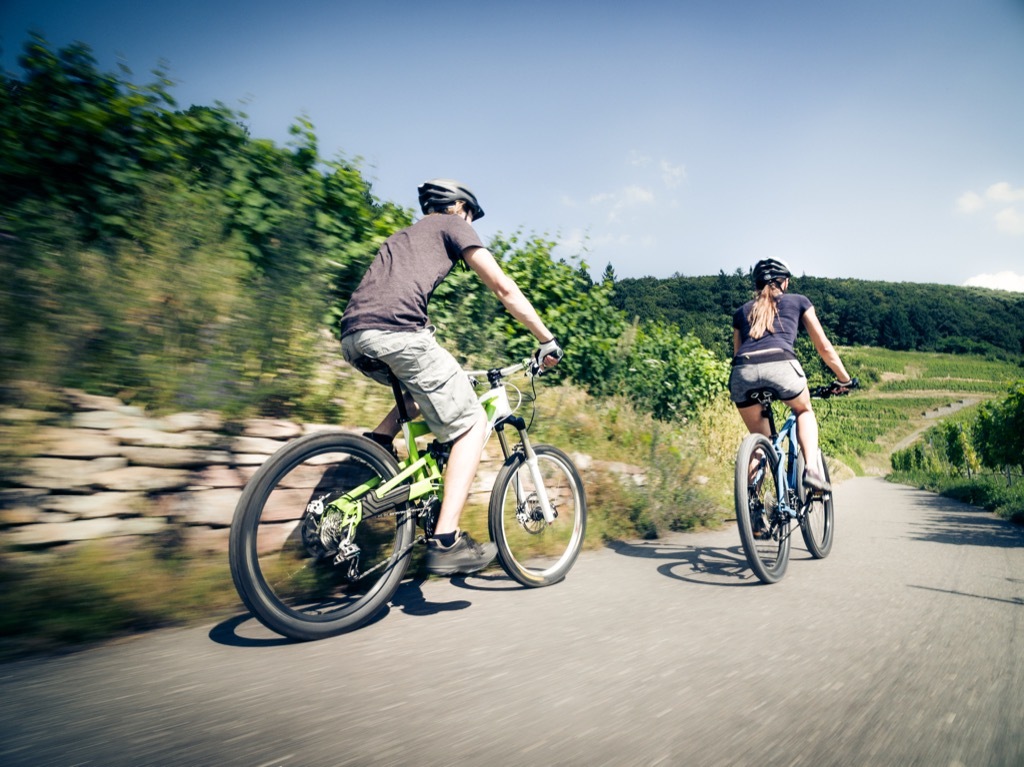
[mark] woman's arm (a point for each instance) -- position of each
(823, 345)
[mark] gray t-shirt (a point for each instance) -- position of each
(395, 291)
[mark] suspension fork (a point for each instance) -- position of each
(532, 464)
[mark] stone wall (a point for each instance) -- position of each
(101, 469)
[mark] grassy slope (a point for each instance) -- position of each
(905, 393)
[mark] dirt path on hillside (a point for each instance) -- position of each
(880, 466)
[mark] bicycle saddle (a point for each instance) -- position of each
(762, 395)
(370, 365)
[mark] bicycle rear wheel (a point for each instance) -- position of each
(283, 545)
(818, 523)
(531, 551)
(764, 529)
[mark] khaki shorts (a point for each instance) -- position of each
(428, 372)
(785, 378)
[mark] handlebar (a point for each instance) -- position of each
(501, 372)
(835, 389)
(532, 367)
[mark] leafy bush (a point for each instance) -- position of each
(651, 364)
(165, 255)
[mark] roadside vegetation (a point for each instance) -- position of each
(975, 456)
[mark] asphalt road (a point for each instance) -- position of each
(904, 647)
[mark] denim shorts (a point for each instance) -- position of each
(428, 372)
(785, 378)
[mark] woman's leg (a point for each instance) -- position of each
(755, 422)
(807, 433)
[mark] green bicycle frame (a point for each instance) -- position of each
(373, 498)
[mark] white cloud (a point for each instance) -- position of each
(631, 196)
(638, 159)
(999, 281)
(970, 202)
(1010, 220)
(1003, 192)
(575, 241)
(672, 175)
(637, 195)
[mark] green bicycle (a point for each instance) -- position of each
(324, 531)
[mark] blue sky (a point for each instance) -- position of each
(873, 140)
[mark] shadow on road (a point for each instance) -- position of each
(949, 521)
(410, 599)
(706, 565)
(245, 631)
(495, 580)
(226, 633)
(1013, 601)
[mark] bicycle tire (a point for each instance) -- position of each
(530, 551)
(818, 523)
(764, 530)
(282, 571)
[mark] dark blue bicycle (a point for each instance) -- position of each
(770, 493)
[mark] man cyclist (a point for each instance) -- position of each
(386, 320)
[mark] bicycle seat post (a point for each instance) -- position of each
(765, 398)
(396, 387)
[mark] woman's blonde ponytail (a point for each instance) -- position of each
(765, 310)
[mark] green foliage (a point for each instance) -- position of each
(959, 451)
(97, 591)
(942, 318)
(674, 376)
(651, 364)
(917, 458)
(990, 436)
(998, 431)
(165, 255)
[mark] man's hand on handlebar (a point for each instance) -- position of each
(547, 356)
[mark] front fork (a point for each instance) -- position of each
(532, 464)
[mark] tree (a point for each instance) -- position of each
(896, 331)
(959, 452)
(998, 432)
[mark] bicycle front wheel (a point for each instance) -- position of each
(530, 550)
(306, 572)
(763, 526)
(818, 523)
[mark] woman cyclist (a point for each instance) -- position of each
(386, 321)
(764, 333)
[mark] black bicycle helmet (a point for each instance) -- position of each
(770, 270)
(441, 193)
